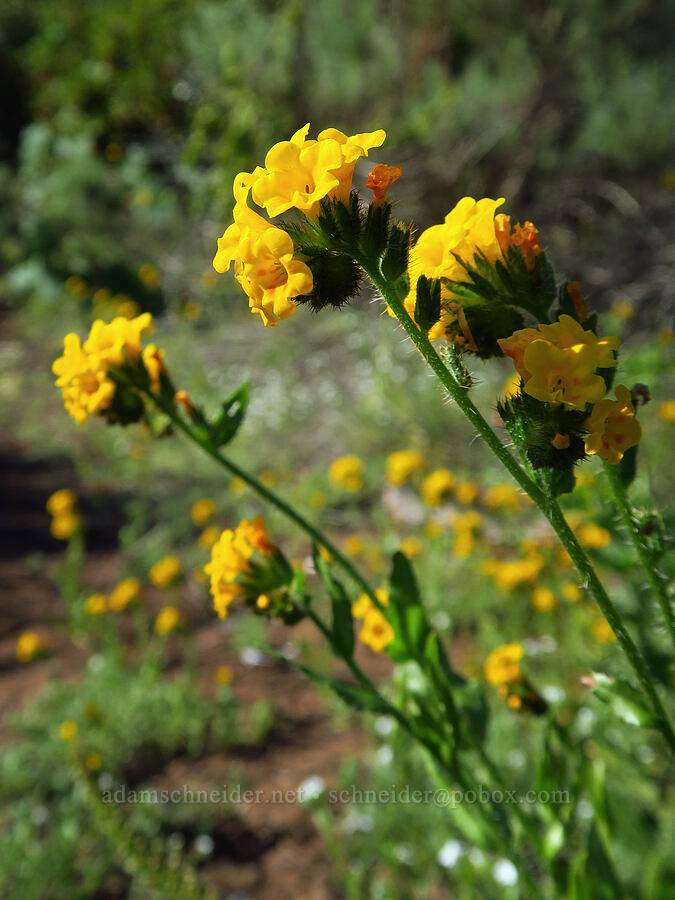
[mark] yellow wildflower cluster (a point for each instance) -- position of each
(125, 593)
(525, 237)
(613, 427)
(503, 665)
(376, 632)
(202, 511)
(557, 362)
(465, 524)
(510, 574)
(347, 472)
(402, 464)
(30, 645)
(502, 496)
(165, 571)
(96, 604)
(231, 558)
(84, 369)
(68, 730)
(62, 506)
(297, 174)
(437, 486)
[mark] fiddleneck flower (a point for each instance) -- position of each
(613, 427)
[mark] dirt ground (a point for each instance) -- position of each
(266, 851)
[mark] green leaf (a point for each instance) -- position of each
(353, 695)
(624, 700)
(342, 632)
(405, 612)
(627, 467)
(229, 420)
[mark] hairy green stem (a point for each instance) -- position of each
(656, 580)
(548, 506)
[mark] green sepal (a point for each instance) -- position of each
(627, 466)
(337, 279)
(375, 234)
(225, 426)
(427, 302)
(395, 259)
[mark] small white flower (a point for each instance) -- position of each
(384, 755)
(449, 854)
(384, 725)
(252, 657)
(204, 845)
(311, 788)
(355, 821)
(504, 872)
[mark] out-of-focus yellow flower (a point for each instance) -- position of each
(224, 675)
(436, 487)
(125, 593)
(364, 604)
(149, 276)
(613, 427)
(543, 599)
(667, 411)
(583, 478)
(464, 525)
(202, 511)
(602, 631)
(442, 252)
(299, 173)
(209, 537)
(402, 464)
(466, 492)
(352, 545)
(237, 486)
(125, 306)
(317, 499)
(347, 472)
(168, 620)
(595, 537)
(433, 528)
(68, 729)
(61, 502)
(665, 336)
(380, 179)
(113, 153)
(29, 645)
(503, 665)
(525, 237)
(93, 761)
(83, 369)
(96, 604)
(509, 575)
(571, 591)
(502, 496)
(230, 558)
(376, 632)
(325, 553)
(263, 601)
(77, 287)
(165, 571)
(411, 546)
(623, 310)
(511, 386)
(267, 477)
(557, 362)
(192, 311)
(208, 279)
(64, 525)
(264, 264)
(563, 559)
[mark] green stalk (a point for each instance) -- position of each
(311, 530)
(547, 505)
(656, 580)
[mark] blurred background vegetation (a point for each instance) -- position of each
(124, 125)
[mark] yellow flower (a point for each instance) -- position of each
(411, 547)
(623, 310)
(93, 761)
(125, 593)
(526, 237)
(593, 536)
(364, 604)
(64, 525)
(602, 630)
(263, 259)
(299, 173)
(667, 411)
(268, 477)
(376, 632)
(230, 558)
(436, 486)
(503, 665)
(202, 510)
(570, 591)
(502, 496)
(168, 620)
(513, 573)
(352, 545)
(433, 528)
(83, 369)
(96, 604)
(77, 286)
(153, 361)
(347, 472)
(209, 537)
(380, 179)
(543, 599)
(443, 251)
(511, 386)
(263, 601)
(149, 276)
(466, 492)
(61, 502)
(464, 525)
(67, 730)
(224, 675)
(557, 362)
(237, 486)
(29, 645)
(402, 464)
(613, 427)
(165, 571)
